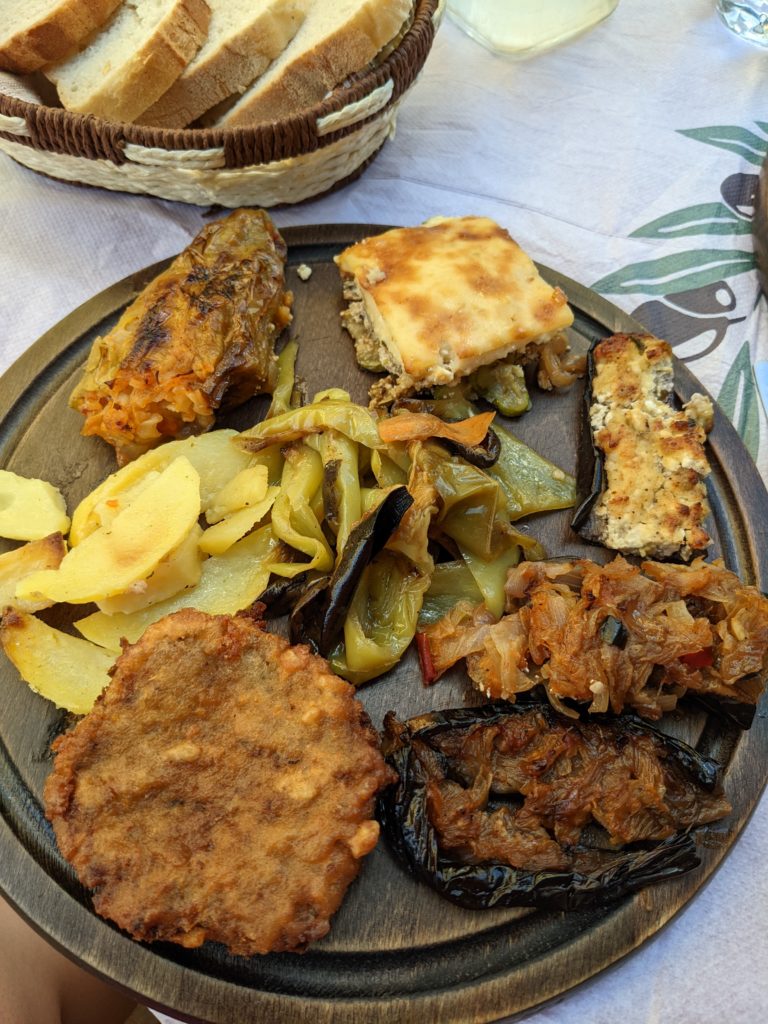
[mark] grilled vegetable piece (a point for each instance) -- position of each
(642, 464)
(503, 386)
(421, 426)
(530, 482)
(614, 636)
(319, 619)
(514, 805)
(201, 336)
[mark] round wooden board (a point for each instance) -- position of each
(396, 951)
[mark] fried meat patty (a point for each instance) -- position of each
(222, 788)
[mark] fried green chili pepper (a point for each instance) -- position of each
(450, 583)
(382, 618)
(353, 421)
(283, 395)
(341, 485)
(293, 520)
(319, 619)
(503, 386)
(531, 483)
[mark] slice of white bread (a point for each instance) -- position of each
(134, 59)
(36, 32)
(244, 38)
(337, 38)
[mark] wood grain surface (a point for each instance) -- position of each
(396, 951)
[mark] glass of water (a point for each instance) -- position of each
(522, 28)
(747, 18)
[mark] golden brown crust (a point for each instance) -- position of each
(199, 337)
(446, 298)
(221, 789)
(227, 64)
(53, 37)
(318, 59)
(145, 73)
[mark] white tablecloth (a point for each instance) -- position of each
(625, 159)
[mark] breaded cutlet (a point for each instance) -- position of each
(222, 788)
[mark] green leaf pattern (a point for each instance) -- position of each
(739, 400)
(704, 219)
(676, 273)
(697, 268)
(749, 146)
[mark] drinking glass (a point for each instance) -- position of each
(747, 18)
(522, 28)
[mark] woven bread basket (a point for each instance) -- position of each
(269, 163)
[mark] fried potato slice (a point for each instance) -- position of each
(30, 509)
(178, 570)
(15, 565)
(65, 669)
(228, 584)
(214, 456)
(244, 490)
(219, 538)
(113, 558)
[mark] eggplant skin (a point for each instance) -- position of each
(200, 337)
(318, 618)
(404, 812)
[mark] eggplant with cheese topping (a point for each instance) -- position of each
(643, 468)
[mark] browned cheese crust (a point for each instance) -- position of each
(199, 337)
(655, 502)
(221, 789)
(433, 303)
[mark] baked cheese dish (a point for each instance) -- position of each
(655, 500)
(431, 304)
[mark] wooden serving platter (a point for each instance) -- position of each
(396, 951)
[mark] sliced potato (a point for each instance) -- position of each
(109, 509)
(219, 538)
(67, 670)
(229, 583)
(30, 509)
(242, 491)
(112, 558)
(15, 565)
(213, 455)
(178, 570)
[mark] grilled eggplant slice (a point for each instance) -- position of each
(200, 337)
(514, 805)
(318, 618)
(642, 464)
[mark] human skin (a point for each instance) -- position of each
(38, 985)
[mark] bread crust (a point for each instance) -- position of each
(230, 69)
(311, 73)
(53, 37)
(148, 71)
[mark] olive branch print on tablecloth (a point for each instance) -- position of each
(689, 290)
